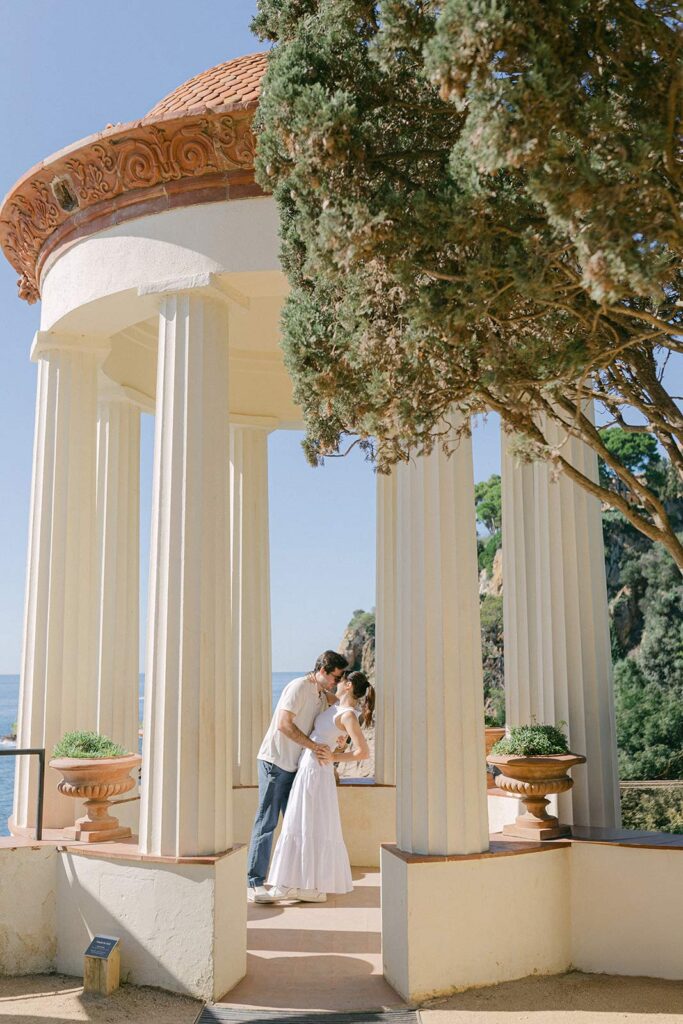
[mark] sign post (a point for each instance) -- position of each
(102, 965)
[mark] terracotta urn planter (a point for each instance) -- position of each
(492, 734)
(532, 778)
(96, 780)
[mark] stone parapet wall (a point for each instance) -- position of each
(28, 909)
(601, 906)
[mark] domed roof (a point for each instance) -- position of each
(234, 85)
(195, 146)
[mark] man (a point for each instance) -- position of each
(300, 703)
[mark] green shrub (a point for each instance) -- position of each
(363, 620)
(649, 725)
(487, 550)
(530, 740)
(659, 809)
(87, 744)
(491, 612)
(494, 709)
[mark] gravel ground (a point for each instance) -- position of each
(58, 999)
(573, 998)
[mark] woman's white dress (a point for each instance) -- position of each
(310, 853)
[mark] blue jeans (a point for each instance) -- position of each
(274, 785)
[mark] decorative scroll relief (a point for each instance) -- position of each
(136, 157)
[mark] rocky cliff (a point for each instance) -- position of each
(358, 642)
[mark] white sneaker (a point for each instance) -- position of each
(282, 892)
(259, 894)
(311, 896)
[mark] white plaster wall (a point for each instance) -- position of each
(368, 815)
(230, 922)
(236, 237)
(396, 921)
(474, 922)
(627, 910)
(182, 927)
(28, 918)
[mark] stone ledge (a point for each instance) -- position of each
(502, 846)
(126, 849)
(499, 846)
(626, 837)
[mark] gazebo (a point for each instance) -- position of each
(154, 254)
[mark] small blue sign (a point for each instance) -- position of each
(101, 946)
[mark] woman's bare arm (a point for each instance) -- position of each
(360, 750)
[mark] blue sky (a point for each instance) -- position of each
(66, 70)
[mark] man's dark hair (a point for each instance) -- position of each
(329, 661)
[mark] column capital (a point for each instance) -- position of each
(204, 284)
(49, 341)
(111, 391)
(267, 423)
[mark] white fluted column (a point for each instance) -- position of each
(250, 560)
(441, 787)
(386, 632)
(186, 806)
(118, 518)
(58, 691)
(556, 625)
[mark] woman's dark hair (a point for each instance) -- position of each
(362, 687)
(329, 661)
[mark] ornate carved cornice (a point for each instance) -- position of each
(124, 172)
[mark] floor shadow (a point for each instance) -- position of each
(316, 956)
(366, 896)
(311, 982)
(313, 940)
(263, 911)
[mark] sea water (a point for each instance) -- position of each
(9, 703)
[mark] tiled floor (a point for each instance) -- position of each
(324, 956)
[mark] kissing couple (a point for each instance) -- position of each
(315, 716)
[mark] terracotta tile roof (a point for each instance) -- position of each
(236, 83)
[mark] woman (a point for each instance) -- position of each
(310, 856)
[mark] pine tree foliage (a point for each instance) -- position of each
(479, 203)
(488, 501)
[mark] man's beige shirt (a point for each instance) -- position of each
(303, 698)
